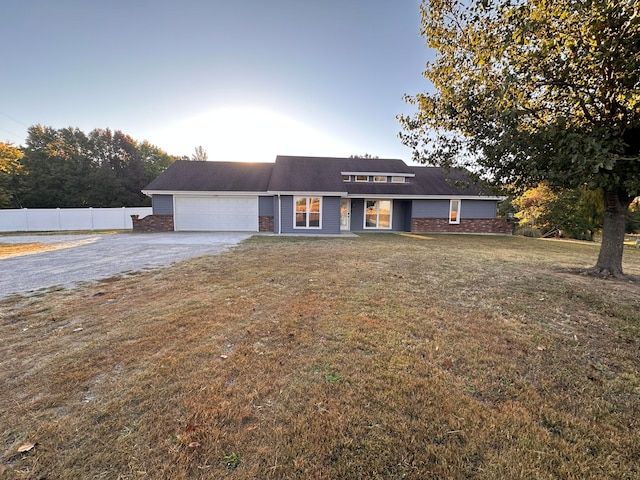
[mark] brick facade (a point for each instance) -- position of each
(469, 225)
(152, 223)
(265, 223)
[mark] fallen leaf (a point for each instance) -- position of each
(194, 445)
(541, 348)
(447, 363)
(223, 356)
(191, 428)
(25, 447)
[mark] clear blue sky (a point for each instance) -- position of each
(246, 79)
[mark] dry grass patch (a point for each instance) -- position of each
(386, 356)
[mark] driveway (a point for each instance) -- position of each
(92, 257)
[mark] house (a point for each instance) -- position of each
(301, 195)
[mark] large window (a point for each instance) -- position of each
(454, 211)
(308, 212)
(377, 214)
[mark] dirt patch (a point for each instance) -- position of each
(9, 250)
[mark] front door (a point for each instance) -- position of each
(345, 214)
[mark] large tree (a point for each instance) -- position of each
(530, 91)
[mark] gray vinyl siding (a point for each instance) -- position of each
(478, 209)
(266, 206)
(431, 209)
(162, 204)
(401, 216)
(440, 209)
(330, 216)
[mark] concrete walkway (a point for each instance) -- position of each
(86, 258)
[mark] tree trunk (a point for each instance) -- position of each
(613, 229)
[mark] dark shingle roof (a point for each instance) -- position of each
(434, 181)
(324, 174)
(191, 176)
(310, 174)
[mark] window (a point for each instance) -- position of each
(308, 211)
(346, 178)
(454, 211)
(397, 179)
(377, 214)
(362, 178)
(380, 178)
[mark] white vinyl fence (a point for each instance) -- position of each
(59, 219)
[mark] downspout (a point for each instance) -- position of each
(279, 215)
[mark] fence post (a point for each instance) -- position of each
(59, 220)
(26, 219)
(91, 217)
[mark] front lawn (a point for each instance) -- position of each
(385, 356)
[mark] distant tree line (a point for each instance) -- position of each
(68, 168)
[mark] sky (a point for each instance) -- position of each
(245, 79)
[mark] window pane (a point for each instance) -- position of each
(362, 178)
(379, 178)
(371, 218)
(301, 212)
(453, 211)
(384, 214)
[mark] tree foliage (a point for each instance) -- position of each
(572, 213)
(10, 166)
(68, 168)
(200, 154)
(530, 91)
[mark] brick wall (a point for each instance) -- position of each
(468, 225)
(265, 223)
(152, 223)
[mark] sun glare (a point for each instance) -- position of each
(246, 134)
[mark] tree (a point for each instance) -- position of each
(10, 166)
(67, 168)
(200, 155)
(530, 91)
(575, 213)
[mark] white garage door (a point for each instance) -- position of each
(229, 214)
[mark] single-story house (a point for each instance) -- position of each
(301, 195)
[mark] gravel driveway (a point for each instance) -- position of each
(82, 258)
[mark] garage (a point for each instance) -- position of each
(220, 214)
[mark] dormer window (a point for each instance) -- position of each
(346, 178)
(398, 179)
(362, 178)
(380, 178)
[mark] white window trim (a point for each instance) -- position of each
(364, 220)
(457, 220)
(398, 179)
(307, 227)
(384, 179)
(362, 181)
